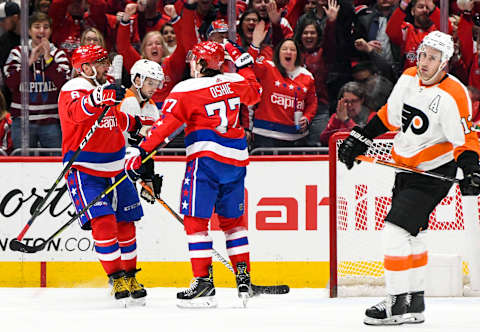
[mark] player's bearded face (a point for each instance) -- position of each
(429, 62)
(101, 67)
(149, 87)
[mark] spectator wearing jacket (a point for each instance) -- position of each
(49, 69)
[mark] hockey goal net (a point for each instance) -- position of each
(360, 199)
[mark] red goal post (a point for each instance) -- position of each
(359, 201)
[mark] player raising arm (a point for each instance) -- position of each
(100, 163)
(217, 157)
(432, 112)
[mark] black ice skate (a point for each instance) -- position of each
(137, 292)
(200, 294)
(415, 309)
(388, 312)
(244, 285)
(119, 287)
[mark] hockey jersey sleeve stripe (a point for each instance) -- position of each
(96, 157)
(84, 108)
(383, 115)
(210, 135)
(428, 154)
(464, 106)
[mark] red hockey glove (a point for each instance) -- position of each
(241, 58)
(107, 95)
(133, 162)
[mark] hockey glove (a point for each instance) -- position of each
(241, 58)
(134, 135)
(354, 145)
(155, 183)
(468, 162)
(133, 162)
(107, 95)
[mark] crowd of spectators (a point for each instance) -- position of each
(324, 65)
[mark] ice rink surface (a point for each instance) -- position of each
(92, 310)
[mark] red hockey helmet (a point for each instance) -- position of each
(217, 26)
(88, 54)
(212, 52)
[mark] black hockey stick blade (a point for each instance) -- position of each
(16, 245)
(276, 289)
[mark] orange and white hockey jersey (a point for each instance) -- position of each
(148, 111)
(434, 121)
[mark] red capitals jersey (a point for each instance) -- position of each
(104, 153)
(210, 108)
(281, 97)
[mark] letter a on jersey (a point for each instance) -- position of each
(414, 119)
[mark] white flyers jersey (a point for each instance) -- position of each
(434, 121)
(148, 112)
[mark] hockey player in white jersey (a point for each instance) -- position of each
(146, 77)
(431, 110)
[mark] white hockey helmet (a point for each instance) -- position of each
(146, 68)
(440, 41)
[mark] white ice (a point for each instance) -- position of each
(90, 309)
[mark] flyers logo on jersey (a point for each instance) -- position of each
(414, 119)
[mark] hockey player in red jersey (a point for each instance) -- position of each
(432, 112)
(99, 164)
(217, 156)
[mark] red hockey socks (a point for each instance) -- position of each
(128, 245)
(199, 245)
(236, 240)
(104, 233)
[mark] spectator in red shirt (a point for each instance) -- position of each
(318, 56)
(71, 17)
(169, 36)
(153, 47)
(288, 103)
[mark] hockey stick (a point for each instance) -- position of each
(19, 246)
(117, 65)
(274, 289)
(406, 168)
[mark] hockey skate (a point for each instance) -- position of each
(201, 293)
(415, 309)
(390, 311)
(119, 287)
(137, 292)
(244, 285)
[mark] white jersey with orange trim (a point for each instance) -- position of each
(148, 111)
(434, 121)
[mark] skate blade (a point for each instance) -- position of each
(204, 302)
(394, 320)
(244, 297)
(122, 303)
(140, 302)
(414, 318)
